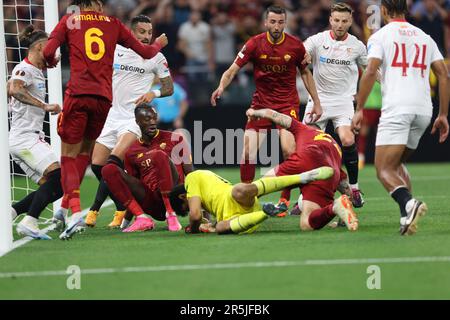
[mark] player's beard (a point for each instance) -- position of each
(276, 35)
(151, 131)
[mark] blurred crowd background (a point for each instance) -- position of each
(205, 35)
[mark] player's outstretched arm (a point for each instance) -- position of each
(365, 86)
(16, 88)
(441, 123)
(310, 86)
(56, 39)
(276, 117)
(226, 79)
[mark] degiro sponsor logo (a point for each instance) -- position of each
(122, 67)
(334, 61)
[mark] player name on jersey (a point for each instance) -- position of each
(91, 17)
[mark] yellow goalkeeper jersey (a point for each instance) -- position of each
(215, 194)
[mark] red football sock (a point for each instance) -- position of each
(83, 161)
(320, 217)
(135, 208)
(65, 202)
(286, 194)
(74, 202)
(162, 163)
(167, 204)
(118, 187)
(247, 171)
(70, 181)
(362, 142)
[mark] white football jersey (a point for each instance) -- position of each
(335, 65)
(133, 76)
(28, 118)
(406, 53)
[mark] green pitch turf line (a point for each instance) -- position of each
(268, 264)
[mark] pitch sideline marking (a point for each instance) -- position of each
(261, 264)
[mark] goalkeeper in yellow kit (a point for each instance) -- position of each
(236, 208)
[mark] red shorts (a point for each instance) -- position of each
(321, 192)
(267, 124)
(82, 117)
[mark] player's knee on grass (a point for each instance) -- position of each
(304, 219)
(304, 222)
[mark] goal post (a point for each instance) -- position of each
(6, 236)
(54, 76)
(19, 13)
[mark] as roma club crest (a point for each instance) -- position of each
(163, 145)
(287, 57)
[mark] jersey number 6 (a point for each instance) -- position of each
(92, 36)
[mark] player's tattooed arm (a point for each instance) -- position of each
(276, 117)
(166, 90)
(18, 90)
(166, 86)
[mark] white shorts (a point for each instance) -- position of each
(340, 113)
(114, 128)
(403, 129)
(32, 153)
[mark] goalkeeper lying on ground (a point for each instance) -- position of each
(236, 208)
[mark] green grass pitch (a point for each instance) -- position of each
(277, 262)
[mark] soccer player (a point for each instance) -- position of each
(27, 145)
(276, 56)
(313, 148)
(154, 164)
(236, 208)
(336, 56)
(405, 55)
(132, 81)
(91, 37)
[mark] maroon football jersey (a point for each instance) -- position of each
(137, 159)
(275, 69)
(306, 136)
(92, 37)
